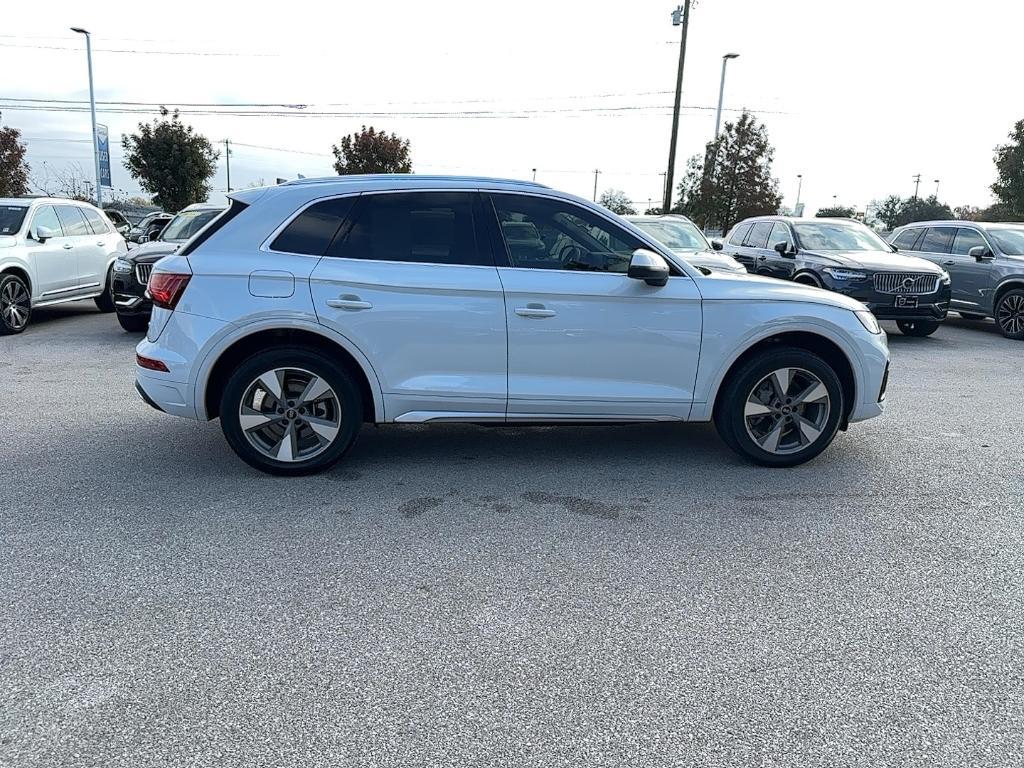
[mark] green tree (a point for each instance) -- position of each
(616, 201)
(836, 212)
(13, 168)
(895, 211)
(887, 211)
(370, 151)
(171, 161)
(733, 178)
(1009, 184)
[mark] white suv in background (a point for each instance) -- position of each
(309, 308)
(51, 251)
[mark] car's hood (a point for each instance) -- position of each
(152, 251)
(8, 241)
(726, 286)
(896, 262)
(710, 260)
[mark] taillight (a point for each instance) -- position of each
(166, 288)
(151, 363)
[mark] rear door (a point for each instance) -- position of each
(973, 281)
(412, 283)
(92, 264)
(83, 242)
(755, 246)
(734, 246)
(935, 245)
(54, 262)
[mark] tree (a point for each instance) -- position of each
(895, 211)
(968, 213)
(616, 201)
(888, 211)
(171, 161)
(371, 152)
(13, 168)
(1009, 184)
(836, 212)
(70, 182)
(733, 179)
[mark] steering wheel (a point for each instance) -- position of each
(570, 252)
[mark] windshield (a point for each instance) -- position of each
(11, 217)
(187, 223)
(1010, 241)
(836, 236)
(677, 235)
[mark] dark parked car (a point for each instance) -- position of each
(986, 262)
(149, 227)
(845, 256)
(131, 272)
(121, 224)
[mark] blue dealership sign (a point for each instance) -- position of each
(103, 144)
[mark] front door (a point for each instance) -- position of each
(973, 280)
(54, 261)
(584, 340)
(777, 265)
(410, 283)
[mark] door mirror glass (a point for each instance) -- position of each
(716, 244)
(42, 234)
(143, 239)
(785, 250)
(980, 253)
(648, 266)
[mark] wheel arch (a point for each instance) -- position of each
(1007, 285)
(22, 272)
(245, 346)
(805, 273)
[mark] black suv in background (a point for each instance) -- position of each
(131, 272)
(148, 227)
(845, 256)
(986, 262)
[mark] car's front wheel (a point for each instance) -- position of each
(917, 327)
(1010, 314)
(15, 304)
(290, 412)
(780, 408)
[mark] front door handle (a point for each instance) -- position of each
(949, 263)
(535, 310)
(351, 303)
(68, 246)
(101, 243)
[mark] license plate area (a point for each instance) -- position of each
(906, 302)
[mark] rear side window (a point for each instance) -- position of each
(937, 240)
(421, 227)
(73, 221)
(96, 222)
(906, 240)
(758, 235)
(738, 234)
(313, 230)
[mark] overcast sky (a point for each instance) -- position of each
(857, 97)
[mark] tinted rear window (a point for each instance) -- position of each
(906, 240)
(739, 233)
(73, 220)
(937, 240)
(313, 230)
(96, 222)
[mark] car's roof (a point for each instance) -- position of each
(27, 201)
(659, 217)
(408, 179)
(961, 223)
(199, 207)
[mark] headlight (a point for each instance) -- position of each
(868, 320)
(122, 266)
(945, 277)
(843, 274)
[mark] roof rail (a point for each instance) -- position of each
(407, 177)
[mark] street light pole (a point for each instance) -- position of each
(936, 189)
(227, 160)
(799, 187)
(679, 16)
(596, 172)
(92, 109)
(721, 89)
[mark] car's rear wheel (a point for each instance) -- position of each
(290, 412)
(15, 304)
(105, 301)
(917, 327)
(134, 323)
(781, 408)
(1010, 314)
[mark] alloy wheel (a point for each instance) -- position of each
(290, 414)
(787, 410)
(1011, 313)
(15, 305)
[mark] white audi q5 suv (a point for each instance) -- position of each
(312, 307)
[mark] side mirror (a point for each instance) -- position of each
(981, 253)
(784, 250)
(648, 266)
(716, 245)
(143, 239)
(42, 234)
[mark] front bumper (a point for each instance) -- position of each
(130, 295)
(930, 306)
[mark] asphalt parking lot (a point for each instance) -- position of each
(459, 595)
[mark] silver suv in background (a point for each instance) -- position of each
(985, 262)
(685, 239)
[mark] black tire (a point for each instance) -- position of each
(919, 328)
(971, 316)
(1010, 314)
(15, 304)
(730, 409)
(134, 323)
(105, 301)
(347, 403)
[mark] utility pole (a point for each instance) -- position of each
(227, 159)
(936, 189)
(92, 110)
(799, 187)
(917, 183)
(534, 174)
(680, 16)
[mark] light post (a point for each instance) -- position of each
(936, 189)
(799, 187)
(721, 89)
(92, 109)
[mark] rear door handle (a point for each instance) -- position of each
(101, 243)
(68, 246)
(351, 303)
(535, 310)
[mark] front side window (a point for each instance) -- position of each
(838, 236)
(73, 221)
(675, 234)
(46, 216)
(541, 233)
(11, 217)
(906, 240)
(419, 227)
(188, 223)
(967, 239)
(780, 234)
(937, 240)
(96, 222)
(1009, 239)
(738, 234)
(312, 231)
(758, 236)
